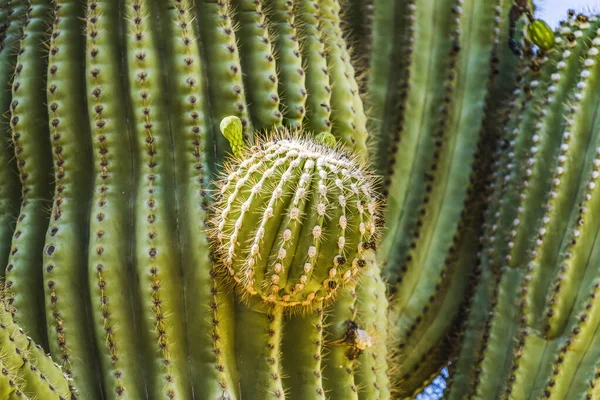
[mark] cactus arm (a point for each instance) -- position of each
(303, 368)
(258, 62)
(434, 36)
(494, 365)
(580, 350)
(548, 132)
(209, 325)
(29, 123)
(258, 341)
(67, 309)
(292, 89)
(339, 363)
(13, 14)
(318, 103)
(157, 264)
(584, 131)
(439, 311)
(35, 373)
(347, 118)
(223, 69)
(463, 381)
(495, 359)
(109, 264)
(372, 370)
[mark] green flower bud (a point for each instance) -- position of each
(540, 33)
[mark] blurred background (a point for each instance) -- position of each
(552, 11)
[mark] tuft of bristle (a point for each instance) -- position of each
(293, 219)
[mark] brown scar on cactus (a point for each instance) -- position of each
(293, 217)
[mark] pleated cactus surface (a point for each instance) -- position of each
(113, 110)
(440, 78)
(532, 332)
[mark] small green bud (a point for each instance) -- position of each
(232, 129)
(326, 138)
(540, 33)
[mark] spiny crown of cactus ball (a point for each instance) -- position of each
(293, 218)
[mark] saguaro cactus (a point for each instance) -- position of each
(533, 323)
(115, 137)
(435, 124)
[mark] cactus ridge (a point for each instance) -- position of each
(67, 306)
(545, 340)
(10, 185)
(34, 161)
(29, 371)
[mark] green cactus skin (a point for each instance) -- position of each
(428, 123)
(318, 83)
(33, 374)
(340, 366)
(258, 59)
(213, 371)
(303, 369)
(292, 79)
(157, 264)
(546, 340)
(371, 373)
(13, 14)
(223, 66)
(29, 127)
(131, 168)
(109, 260)
(348, 122)
(65, 282)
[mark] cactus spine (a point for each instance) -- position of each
(547, 185)
(433, 124)
(119, 266)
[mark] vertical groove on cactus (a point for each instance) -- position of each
(65, 282)
(409, 165)
(157, 263)
(347, 118)
(439, 167)
(292, 89)
(498, 121)
(259, 332)
(371, 375)
(110, 262)
(221, 57)
(35, 374)
(258, 62)
(388, 81)
(303, 374)
(135, 303)
(340, 363)
(29, 125)
(11, 30)
(209, 325)
(318, 106)
(357, 25)
(546, 340)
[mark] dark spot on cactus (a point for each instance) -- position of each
(332, 285)
(50, 249)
